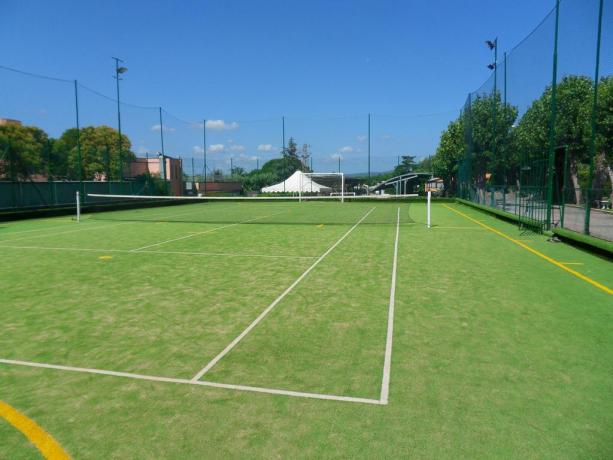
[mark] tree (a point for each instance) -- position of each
(572, 127)
(406, 165)
(237, 171)
(271, 172)
(603, 177)
(217, 174)
(23, 149)
(99, 153)
(449, 154)
(491, 148)
(291, 151)
(305, 155)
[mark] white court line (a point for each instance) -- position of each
(456, 228)
(191, 235)
(261, 316)
(50, 227)
(227, 386)
(385, 385)
(81, 229)
(130, 251)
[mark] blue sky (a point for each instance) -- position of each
(323, 64)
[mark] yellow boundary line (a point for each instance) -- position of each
(551, 260)
(44, 442)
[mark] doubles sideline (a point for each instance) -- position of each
(387, 364)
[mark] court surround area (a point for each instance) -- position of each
(303, 328)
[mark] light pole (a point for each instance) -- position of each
(118, 71)
(493, 45)
(369, 149)
(284, 153)
(204, 151)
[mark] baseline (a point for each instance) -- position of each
(227, 386)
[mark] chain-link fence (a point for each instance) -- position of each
(538, 134)
(59, 136)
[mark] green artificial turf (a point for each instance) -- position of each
(496, 351)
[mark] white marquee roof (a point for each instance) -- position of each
(292, 184)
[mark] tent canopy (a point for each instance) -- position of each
(292, 185)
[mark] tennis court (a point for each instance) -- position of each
(304, 328)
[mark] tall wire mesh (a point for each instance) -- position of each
(535, 139)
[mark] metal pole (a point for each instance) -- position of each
(284, 159)
(552, 122)
(369, 149)
(505, 78)
(428, 207)
(79, 161)
(78, 202)
(300, 189)
(231, 167)
(204, 140)
(107, 164)
(564, 185)
(342, 188)
(193, 176)
(119, 147)
(495, 103)
(586, 228)
(339, 163)
(161, 131)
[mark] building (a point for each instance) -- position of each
(165, 167)
(436, 185)
(8, 121)
(219, 188)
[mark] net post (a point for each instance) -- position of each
(342, 187)
(428, 207)
(78, 202)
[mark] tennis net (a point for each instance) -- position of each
(313, 210)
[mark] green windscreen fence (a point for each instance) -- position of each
(45, 159)
(536, 139)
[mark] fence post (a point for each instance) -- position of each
(78, 202)
(79, 165)
(552, 129)
(564, 185)
(590, 183)
(428, 206)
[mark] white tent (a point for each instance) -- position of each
(293, 182)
